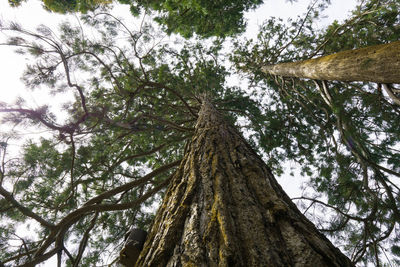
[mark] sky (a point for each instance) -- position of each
(32, 14)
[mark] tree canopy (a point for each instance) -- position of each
(125, 129)
(131, 104)
(203, 17)
(344, 135)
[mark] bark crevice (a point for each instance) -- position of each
(225, 208)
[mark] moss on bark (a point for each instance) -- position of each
(379, 63)
(225, 208)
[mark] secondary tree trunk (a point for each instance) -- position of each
(225, 208)
(380, 63)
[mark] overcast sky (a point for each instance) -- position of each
(32, 14)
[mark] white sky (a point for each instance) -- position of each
(32, 14)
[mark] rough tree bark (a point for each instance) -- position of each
(224, 208)
(379, 63)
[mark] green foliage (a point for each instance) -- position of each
(130, 109)
(203, 17)
(373, 23)
(348, 147)
(15, 3)
(66, 6)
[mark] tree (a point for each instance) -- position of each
(378, 63)
(177, 16)
(343, 134)
(134, 106)
(67, 6)
(224, 207)
(128, 116)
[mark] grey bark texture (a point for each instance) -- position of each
(224, 208)
(379, 63)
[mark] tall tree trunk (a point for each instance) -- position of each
(379, 63)
(225, 208)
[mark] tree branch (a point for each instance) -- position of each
(27, 212)
(391, 94)
(84, 240)
(132, 184)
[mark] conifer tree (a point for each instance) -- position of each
(340, 129)
(224, 207)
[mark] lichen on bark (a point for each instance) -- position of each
(379, 63)
(225, 208)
